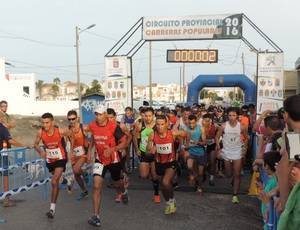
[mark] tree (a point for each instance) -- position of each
(55, 90)
(212, 96)
(56, 81)
(39, 85)
(95, 88)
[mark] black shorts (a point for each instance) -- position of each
(147, 157)
(161, 168)
(210, 148)
(200, 160)
(114, 169)
(57, 164)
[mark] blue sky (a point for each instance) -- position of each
(39, 36)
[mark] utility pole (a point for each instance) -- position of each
(243, 63)
(183, 81)
(78, 73)
(150, 73)
(180, 85)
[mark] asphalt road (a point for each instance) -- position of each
(213, 210)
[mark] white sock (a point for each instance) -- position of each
(211, 177)
(52, 207)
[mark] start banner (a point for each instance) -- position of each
(222, 26)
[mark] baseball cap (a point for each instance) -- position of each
(100, 109)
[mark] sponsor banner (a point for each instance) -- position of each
(270, 83)
(224, 26)
(117, 66)
(118, 83)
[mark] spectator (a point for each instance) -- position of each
(7, 121)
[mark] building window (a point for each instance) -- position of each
(26, 89)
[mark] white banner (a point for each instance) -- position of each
(117, 66)
(224, 26)
(270, 86)
(118, 83)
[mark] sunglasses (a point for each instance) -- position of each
(72, 119)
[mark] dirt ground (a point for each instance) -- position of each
(27, 127)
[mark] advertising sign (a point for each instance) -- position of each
(118, 82)
(270, 86)
(223, 26)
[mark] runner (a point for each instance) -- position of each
(197, 157)
(55, 154)
(161, 143)
(128, 120)
(147, 161)
(231, 132)
(78, 151)
(112, 116)
(108, 139)
(210, 131)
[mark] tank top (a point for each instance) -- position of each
(53, 146)
(210, 134)
(196, 135)
(79, 142)
(145, 133)
(104, 137)
(232, 138)
(182, 126)
(165, 152)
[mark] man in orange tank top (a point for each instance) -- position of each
(161, 143)
(55, 154)
(108, 139)
(78, 150)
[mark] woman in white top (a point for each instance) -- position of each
(233, 135)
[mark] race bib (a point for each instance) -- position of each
(210, 141)
(98, 169)
(54, 154)
(78, 151)
(164, 148)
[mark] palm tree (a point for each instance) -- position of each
(55, 90)
(56, 81)
(39, 85)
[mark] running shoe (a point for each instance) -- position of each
(173, 206)
(50, 214)
(156, 199)
(199, 190)
(211, 182)
(95, 221)
(118, 198)
(83, 195)
(170, 208)
(125, 197)
(235, 200)
(70, 183)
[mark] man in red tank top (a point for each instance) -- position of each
(108, 139)
(54, 152)
(161, 143)
(78, 150)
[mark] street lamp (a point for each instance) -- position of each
(78, 31)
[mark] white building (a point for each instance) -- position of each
(20, 93)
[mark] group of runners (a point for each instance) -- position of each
(164, 140)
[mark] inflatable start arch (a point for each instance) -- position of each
(224, 80)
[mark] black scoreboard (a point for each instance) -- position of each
(192, 56)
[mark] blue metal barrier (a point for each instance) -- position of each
(21, 170)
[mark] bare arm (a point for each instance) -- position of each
(37, 144)
(218, 136)
(150, 145)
